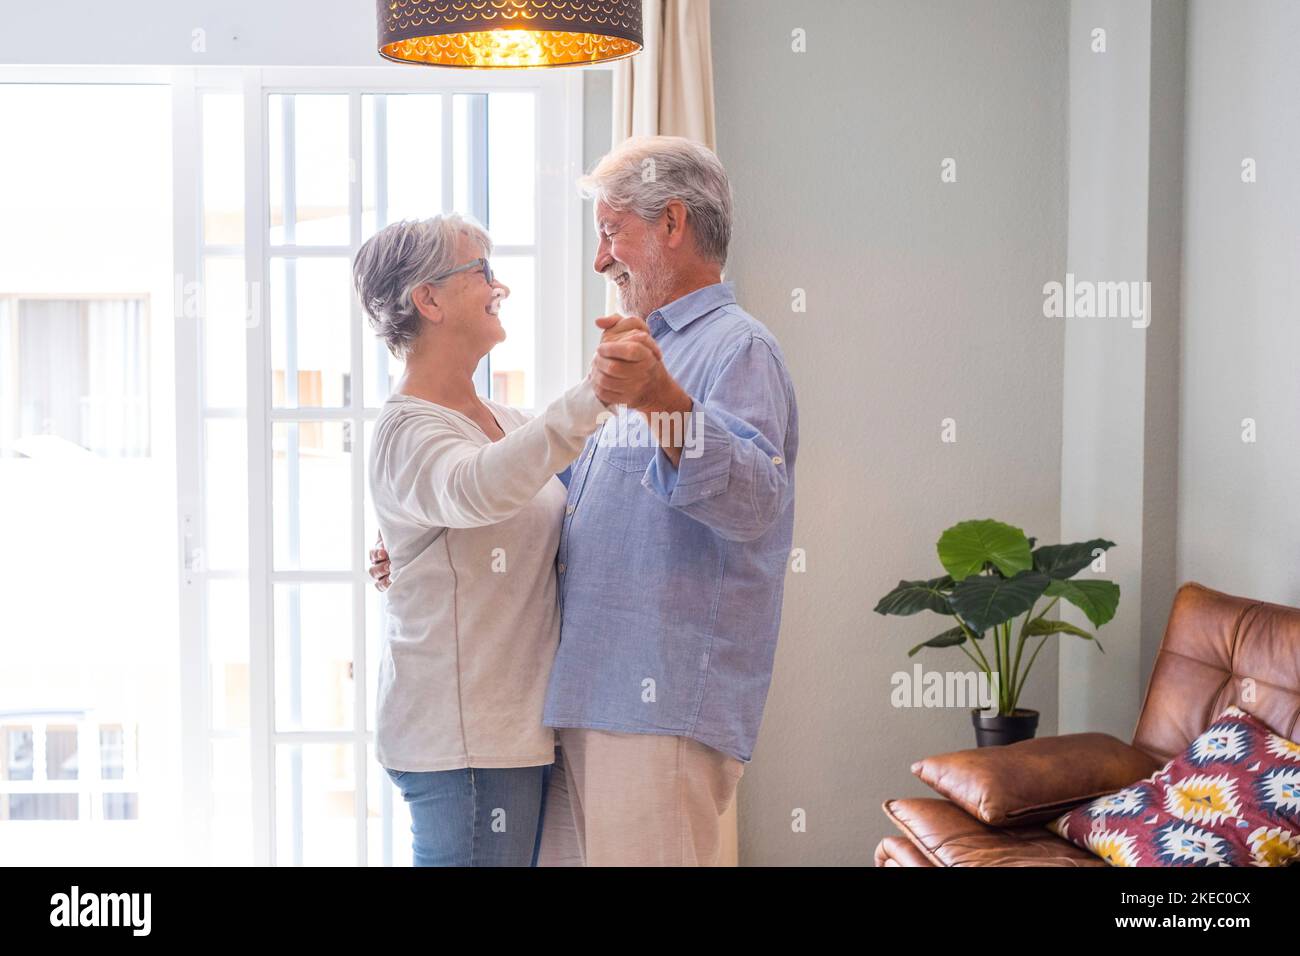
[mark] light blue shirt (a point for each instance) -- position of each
(671, 578)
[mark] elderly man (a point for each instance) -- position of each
(676, 534)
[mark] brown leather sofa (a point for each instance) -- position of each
(1217, 650)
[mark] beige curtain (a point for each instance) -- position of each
(667, 90)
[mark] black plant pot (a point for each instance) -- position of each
(996, 731)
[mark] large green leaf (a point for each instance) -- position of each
(965, 547)
(1063, 561)
(984, 602)
(1040, 626)
(1097, 599)
(913, 596)
(949, 638)
(991, 568)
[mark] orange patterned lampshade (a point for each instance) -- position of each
(508, 33)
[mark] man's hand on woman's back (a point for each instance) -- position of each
(379, 566)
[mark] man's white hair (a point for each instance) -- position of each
(397, 259)
(645, 173)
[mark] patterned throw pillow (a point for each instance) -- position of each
(1231, 799)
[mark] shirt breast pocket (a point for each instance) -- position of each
(626, 443)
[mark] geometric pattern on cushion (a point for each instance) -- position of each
(1232, 798)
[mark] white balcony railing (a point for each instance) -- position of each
(102, 763)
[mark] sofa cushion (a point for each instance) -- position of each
(1034, 780)
(947, 835)
(1232, 798)
(899, 851)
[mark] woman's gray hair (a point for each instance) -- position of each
(645, 173)
(397, 259)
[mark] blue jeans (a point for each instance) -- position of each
(475, 816)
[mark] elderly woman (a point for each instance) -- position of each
(469, 508)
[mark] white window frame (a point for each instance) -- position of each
(557, 360)
(557, 354)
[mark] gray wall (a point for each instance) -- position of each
(1119, 443)
(1238, 516)
(924, 303)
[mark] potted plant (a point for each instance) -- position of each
(995, 574)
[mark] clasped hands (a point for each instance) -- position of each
(627, 368)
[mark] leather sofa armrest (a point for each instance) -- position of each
(1034, 780)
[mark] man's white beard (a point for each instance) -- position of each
(648, 293)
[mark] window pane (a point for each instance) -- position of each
(313, 657)
(402, 152)
(312, 495)
(512, 167)
(8, 377)
(371, 129)
(225, 325)
(223, 169)
(315, 805)
(227, 635)
(275, 147)
(375, 638)
(43, 806)
(90, 237)
(18, 753)
(311, 316)
(414, 156)
(112, 753)
(61, 752)
(470, 151)
(512, 361)
(232, 802)
(388, 818)
(82, 379)
(225, 464)
(121, 806)
(460, 176)
(118, 378)
(309, 168)
(383, 370)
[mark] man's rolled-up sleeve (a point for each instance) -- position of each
(732, 475)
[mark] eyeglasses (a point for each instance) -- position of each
(474, 264)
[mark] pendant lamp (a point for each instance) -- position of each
(497, 34)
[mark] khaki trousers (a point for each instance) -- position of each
(635, 800)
